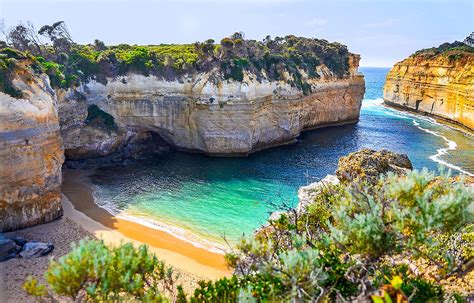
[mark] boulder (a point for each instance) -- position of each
(20, 241)
(368, 164)
(8, 248)
(36, 249)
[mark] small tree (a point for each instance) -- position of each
(99, 45)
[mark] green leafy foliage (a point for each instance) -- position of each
(261, 287)
(455, 50)
(304, 272)
(293, 59)
(399, 280)
(94, 272)
(343, 247)
(234, 68)
(97, 117)
(8, 64)
(397, 214)
(351, 230)
(422, 290)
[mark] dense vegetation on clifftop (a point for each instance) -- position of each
(454, 50)
(68, 63)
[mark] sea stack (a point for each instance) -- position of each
(436, 81)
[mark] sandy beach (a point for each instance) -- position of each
(13, 273)
(83, 218)
(79, 205)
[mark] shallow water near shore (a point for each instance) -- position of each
(203, 199)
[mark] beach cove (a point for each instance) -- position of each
(203, 200)
(79, 206)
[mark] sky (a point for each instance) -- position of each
(382, 31)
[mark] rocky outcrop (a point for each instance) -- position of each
(441, 85)
(82, 140)
(31, 153)
(202, 109)
(18, 247)
(226, 117)
(368, 165)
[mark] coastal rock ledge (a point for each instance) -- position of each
(224, 117)
(43, 120)
(437, 81)
(31, 154)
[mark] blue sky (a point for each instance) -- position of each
(382, 31)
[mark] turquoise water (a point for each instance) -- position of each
(203, 199)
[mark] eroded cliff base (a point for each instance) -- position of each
(438, 82)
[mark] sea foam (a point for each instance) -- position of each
(451, 145)
(175, 231)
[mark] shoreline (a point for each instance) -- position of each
(442, 120)
(79, 205)
(433, 119)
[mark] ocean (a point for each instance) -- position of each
(206, 200)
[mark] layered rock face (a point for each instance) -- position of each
(225, 117)
(31, 154)
(80, 139)
(197, 112)
(89, 138)
(441, 85)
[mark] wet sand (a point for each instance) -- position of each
(80, 207)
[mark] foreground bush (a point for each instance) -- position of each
(356, 237)
(357, 241)
(94, 272)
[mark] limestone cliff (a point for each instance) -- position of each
(228, 102)
(439, 84)
(225, 117)
(31, 152)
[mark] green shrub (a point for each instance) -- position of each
(401, 214)
(352, 229)
(422, 291)
(271, 59)
(94, 272)
(263, 288)
(455, 50)
(97, 117)
(12, 53)
(343, 248)
(227, 43)
(8, 64)
(234, 69)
